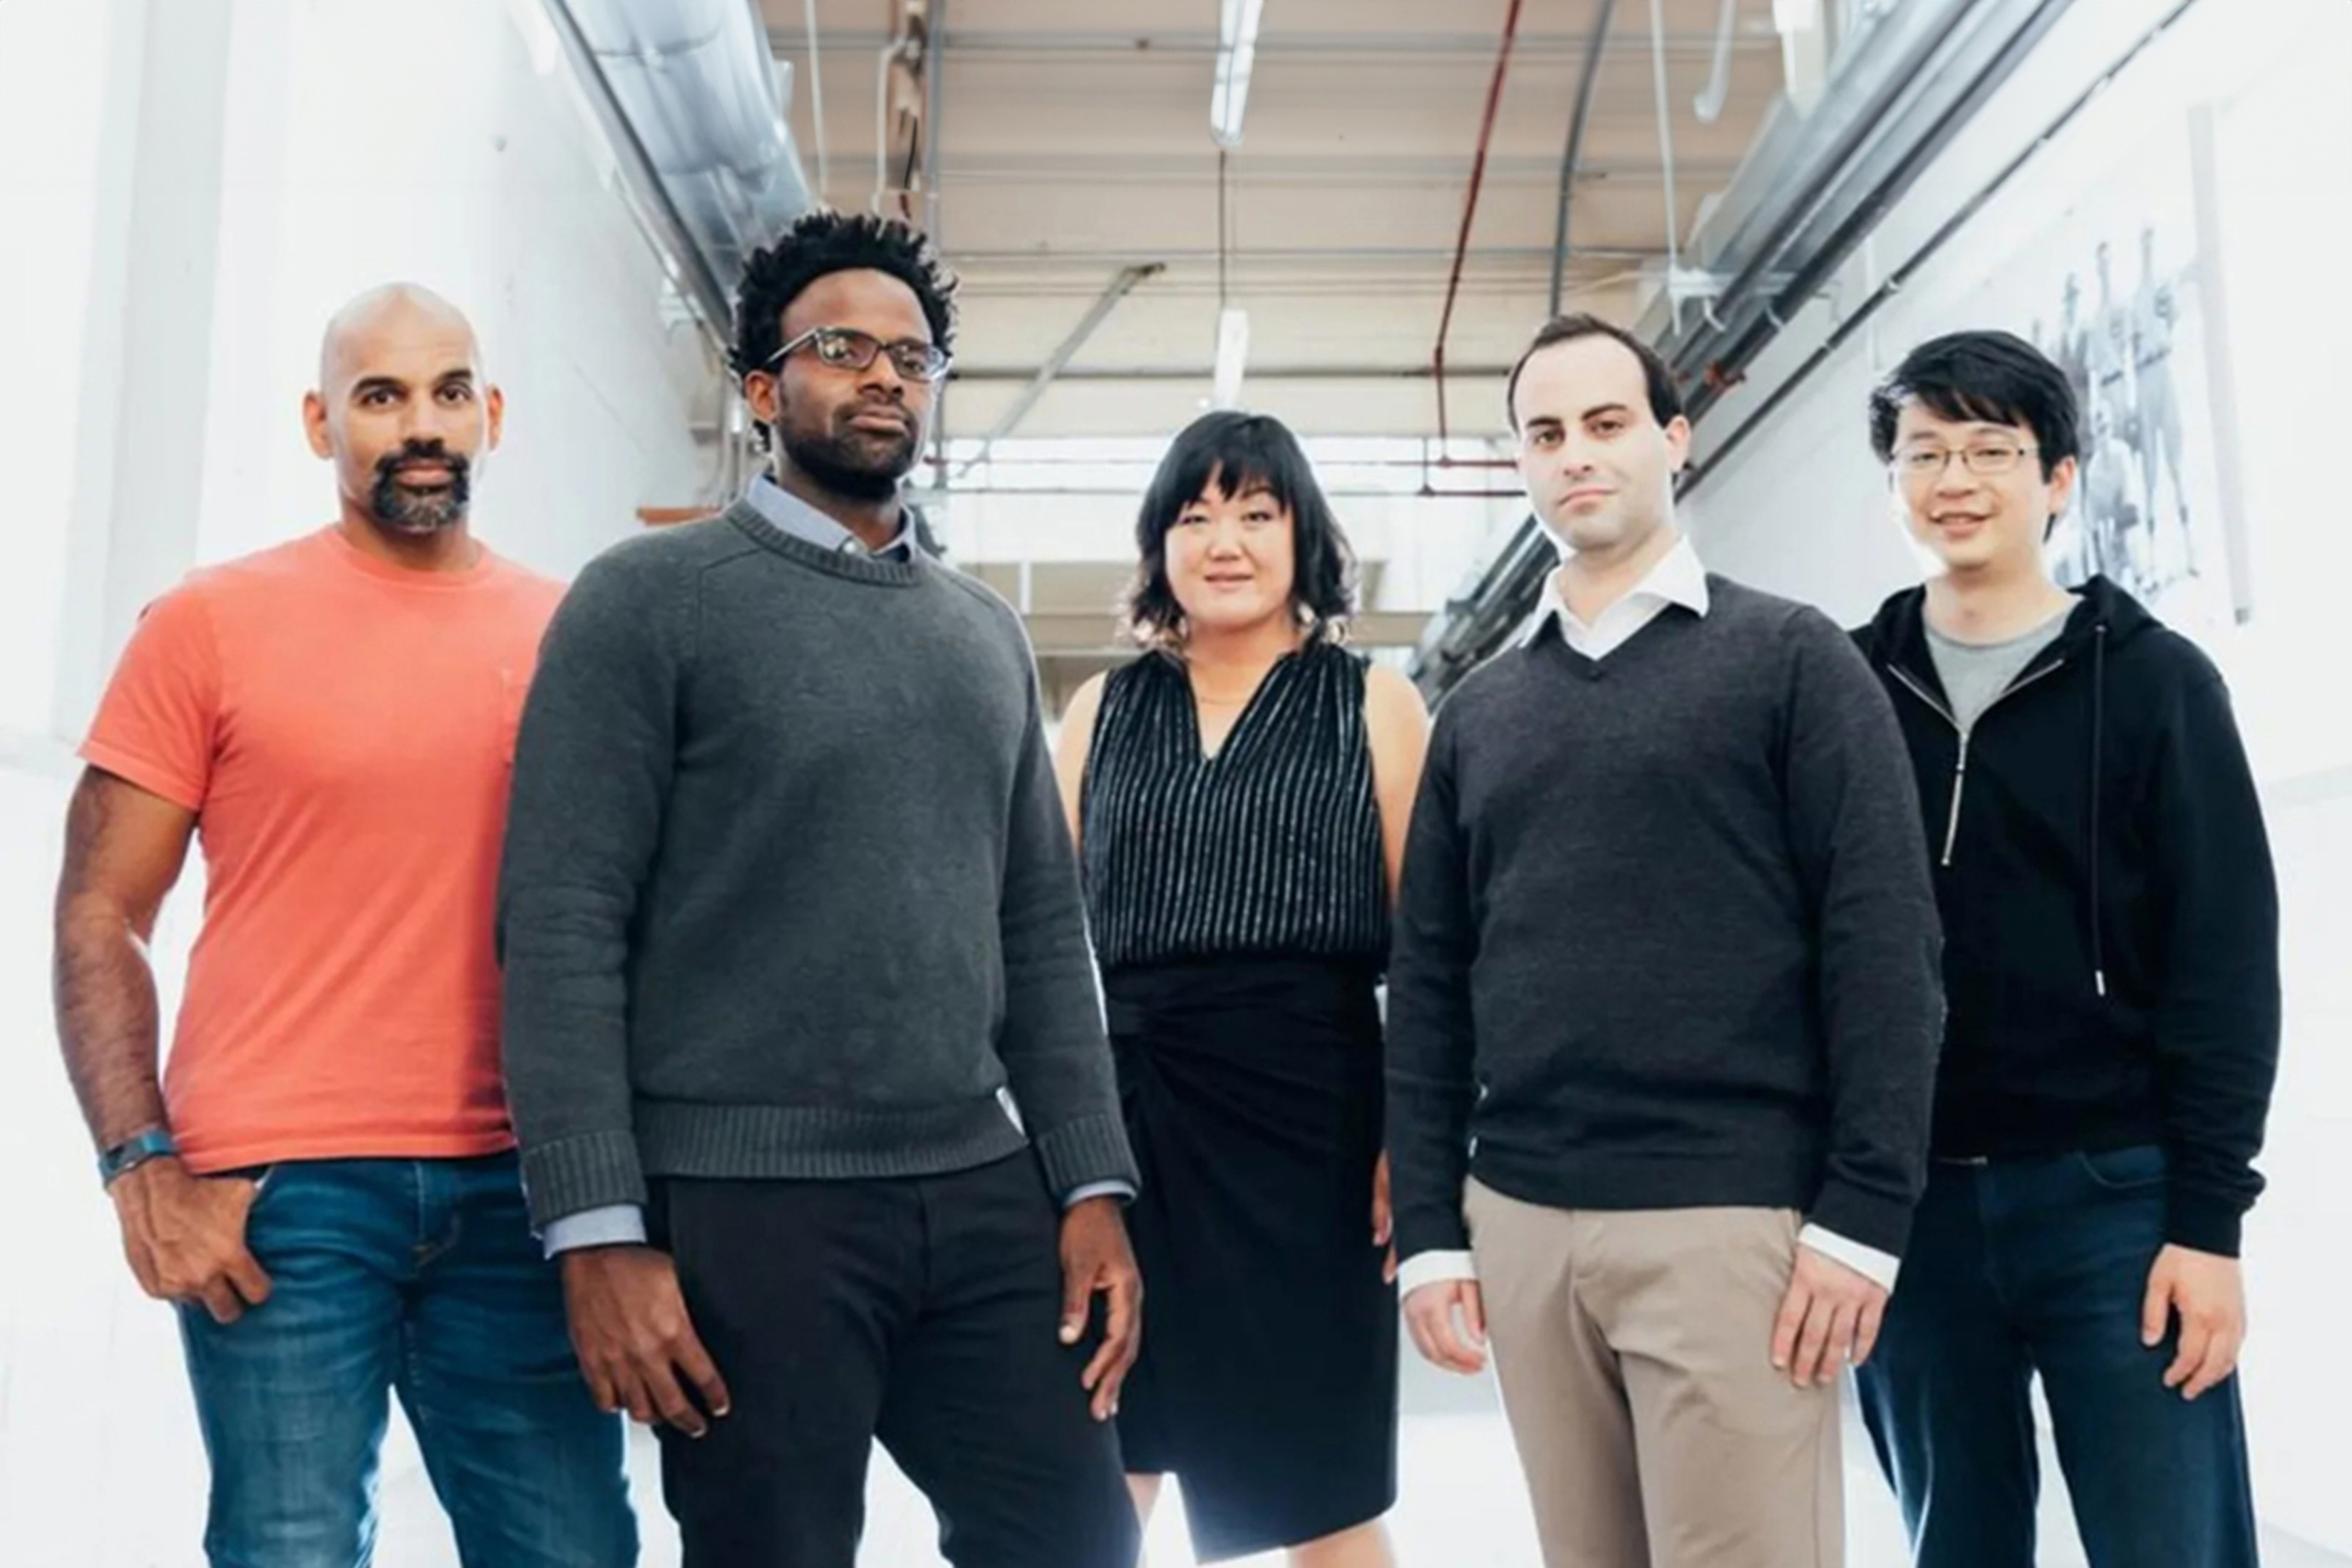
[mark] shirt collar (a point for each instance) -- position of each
(1679, 578)
(804, 522)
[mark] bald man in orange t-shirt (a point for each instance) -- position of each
(322, 1178)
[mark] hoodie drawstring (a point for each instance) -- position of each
(2098, 748)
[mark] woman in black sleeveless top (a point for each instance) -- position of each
(1239, 795)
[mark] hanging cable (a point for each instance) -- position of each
(1469, 212)
(816, 106)
(1667, 151)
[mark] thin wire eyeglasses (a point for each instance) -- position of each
(1986, 461)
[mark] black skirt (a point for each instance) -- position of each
(1252, 1090)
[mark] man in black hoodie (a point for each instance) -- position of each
(2111, 968)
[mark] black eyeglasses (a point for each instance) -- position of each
(847, 348)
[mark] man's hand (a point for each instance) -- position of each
(1429, 1315)
(2210, 1294)
(635, 1341)
(184, 1236)
(1829, 1319)
(1096, 1259)
(1384, 1218)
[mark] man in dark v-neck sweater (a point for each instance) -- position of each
(802, 1031)
(1664, 1009)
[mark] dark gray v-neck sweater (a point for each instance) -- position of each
(787, 891)
(1667, 938)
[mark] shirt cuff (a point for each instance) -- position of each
(1433, 1269)
(1873, 1265)
(1119, 1190)
(614, 1224)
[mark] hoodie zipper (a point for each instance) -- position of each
(1960, 763)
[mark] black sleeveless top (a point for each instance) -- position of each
(1271, 848)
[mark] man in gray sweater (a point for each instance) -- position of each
(802, 1034)
(1662, 1012)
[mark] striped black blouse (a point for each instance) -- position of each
(1270, 848)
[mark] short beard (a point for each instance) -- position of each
(847, 464)
(397, 509)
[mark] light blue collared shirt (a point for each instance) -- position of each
(810, 526)
(624, 1225)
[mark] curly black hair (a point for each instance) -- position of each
(825, 241)
(1241, 452)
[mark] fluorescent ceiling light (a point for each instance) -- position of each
(1236, 52)
(1233, 349)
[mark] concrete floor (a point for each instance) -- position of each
(1462, 1504)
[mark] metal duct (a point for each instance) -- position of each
(706, 100)
(1907, 78)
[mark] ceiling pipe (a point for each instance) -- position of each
(699, 102)
(1571, 162)
(1862, 127)
(816, 105)
(1731, 360)
(1708, 105)
(1470, 212)
(1666, 154)
(1895, 281)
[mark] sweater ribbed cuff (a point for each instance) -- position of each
(1091, 1149)
(590, 1171)
(2202, 1221)
(1869, 1218)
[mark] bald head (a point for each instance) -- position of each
(395, 310)
(402, 408)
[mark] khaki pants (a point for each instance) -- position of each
(1634, 1352)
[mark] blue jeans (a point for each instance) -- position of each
(420, 1276)
(2040, 1266)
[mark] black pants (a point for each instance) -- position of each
(922, 1311)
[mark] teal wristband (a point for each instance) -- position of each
(133, 1152)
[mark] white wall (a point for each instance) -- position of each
(351, 142)
(1802, 508)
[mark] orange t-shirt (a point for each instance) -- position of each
(343, 730)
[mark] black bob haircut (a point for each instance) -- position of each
(1665, 397)
(822, 242)
(1240, 453)
(1994, 377)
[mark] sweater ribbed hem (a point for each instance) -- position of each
(808, 1143)
(591, 1171)
(1091, 1149)
(1751, 1180)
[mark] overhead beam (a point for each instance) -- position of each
(1119, 287)
(1464, 47)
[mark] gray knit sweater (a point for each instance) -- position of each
(1667, 938)
(787, 891)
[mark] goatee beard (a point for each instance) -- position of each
(396, 509)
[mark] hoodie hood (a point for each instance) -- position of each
(1897, 634)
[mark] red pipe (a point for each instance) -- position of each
(1470, 211)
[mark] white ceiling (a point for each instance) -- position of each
(1074, 140)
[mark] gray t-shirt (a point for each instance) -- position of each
(1975, 674)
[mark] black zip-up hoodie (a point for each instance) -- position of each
(2110, 914)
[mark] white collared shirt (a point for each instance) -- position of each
(1676, 579)
(1679, 578)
